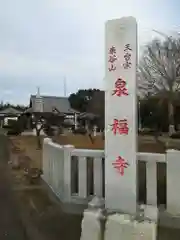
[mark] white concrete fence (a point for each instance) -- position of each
(75, 175)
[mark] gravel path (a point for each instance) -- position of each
(11, 226)
(19, 219)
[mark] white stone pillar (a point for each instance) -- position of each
(91, 228)
(82, 177)
(95, 131)
(56, 171)
(67, 171)
(121, 115)
(45, 159)
(173, 185)
(98, 177)
(50, 165)
(149, 212)
(145, 230)
(118, 227)
(151, 182)
(60, 172)
(75, 121)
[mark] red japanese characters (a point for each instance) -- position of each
(120, 164)
(120, 88)
(120, 127)
(112, 58)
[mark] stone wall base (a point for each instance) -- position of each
(119, 226)
(96, 225)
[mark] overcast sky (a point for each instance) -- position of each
(43, 41)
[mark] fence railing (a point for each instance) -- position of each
(78, 174)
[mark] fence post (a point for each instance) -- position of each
(45, 159)
(92, 226)
(67, 171)
(151, 182)
(173, 184)
(59, 170)
(82, 169)
(98, 176)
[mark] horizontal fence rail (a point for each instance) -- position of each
(79, 174)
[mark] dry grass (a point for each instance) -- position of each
(80, 141)
(28, 147)
(145, 143)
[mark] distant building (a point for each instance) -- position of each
(10, 112)
(7, 114)
(50, 104)
(46, 105)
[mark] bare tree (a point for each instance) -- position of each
(39, 122)
(52, 121)
(159, 72)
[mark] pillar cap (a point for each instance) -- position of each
(96, 202)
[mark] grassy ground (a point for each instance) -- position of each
(28, 145)
(145, 143)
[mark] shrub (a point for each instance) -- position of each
(82, 131)
(13, 132)
(15, 129)
(49, 131)
(11, 122)
(146, 131)
(175, 135)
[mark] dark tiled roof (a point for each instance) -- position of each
(52, 102)
(86, 115)
(10, 110)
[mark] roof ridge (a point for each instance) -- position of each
(48, 96)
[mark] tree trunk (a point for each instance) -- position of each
(28, 123)
(171, 118)
(38, 138)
